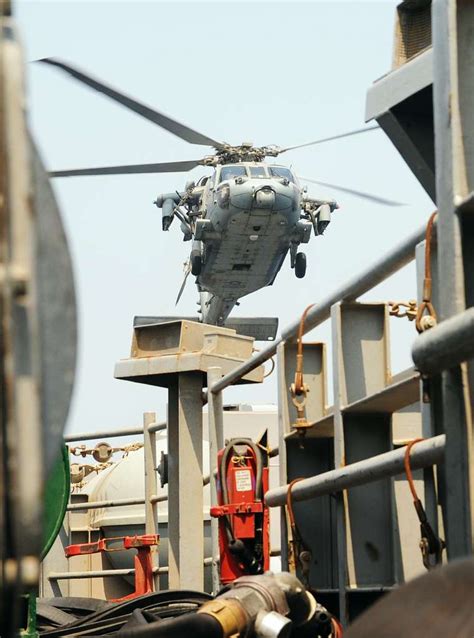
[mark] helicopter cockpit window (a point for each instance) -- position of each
(281, 171)
(257, 171)
(229, 172)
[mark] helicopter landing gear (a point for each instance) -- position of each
(196, 265)
(300, 265)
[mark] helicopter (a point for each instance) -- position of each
(242, 220)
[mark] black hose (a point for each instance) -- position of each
(115, 615)
(192, 625)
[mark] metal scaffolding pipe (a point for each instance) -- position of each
(94, 505)
(157, 427)
(112, 434)
(400, 256)
(105, 573)
(121, 502)
(447, 345)
(102, 434)
(100, 573)
(423, 454)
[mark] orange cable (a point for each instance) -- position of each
(289, 503)
(299, 352)
(408, 471)
(427, 282)
(429, 234)
(337, 630)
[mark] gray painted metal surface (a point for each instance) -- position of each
(447, 345)
(399, 101)
(453, 102)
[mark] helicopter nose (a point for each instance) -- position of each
(264, 197)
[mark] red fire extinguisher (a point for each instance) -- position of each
(242, 480)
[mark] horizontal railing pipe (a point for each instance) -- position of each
(112, 434)
(121, 502)
(100, 573)
(94, 505)
(446, 345)
(157, 427)
(423, 454)
(106, 573)
(397, 258)
(102, 434)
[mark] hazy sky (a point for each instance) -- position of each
(269, 72)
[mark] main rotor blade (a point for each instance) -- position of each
(333, 137)
(166, 122)
(163, 167)
(351, 191)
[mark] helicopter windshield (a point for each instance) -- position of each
(257, 171)
(229, 172)
(282, 171)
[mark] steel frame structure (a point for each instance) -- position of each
(358, 428)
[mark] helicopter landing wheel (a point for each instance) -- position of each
(300, 265)
(196, 265)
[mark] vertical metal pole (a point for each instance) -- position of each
(283, 429)
(185, 501)
(453, 102)
(430, 412)
(151, 509)
(339, 458)
(216, 442)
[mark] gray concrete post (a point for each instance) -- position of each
(185, 501)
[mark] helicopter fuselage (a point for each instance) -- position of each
(251, 222)
(243, 221)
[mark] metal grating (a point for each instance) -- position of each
(412, 30)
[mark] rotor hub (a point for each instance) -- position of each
(245, 152)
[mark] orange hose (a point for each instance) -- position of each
(408, 471)
(429, 234)
(426, 304)
(337, 630)
(289, 503)
(299, 352)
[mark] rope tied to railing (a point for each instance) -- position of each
(298, 551)
(430, 544)
(299, 389)
(426, 315)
